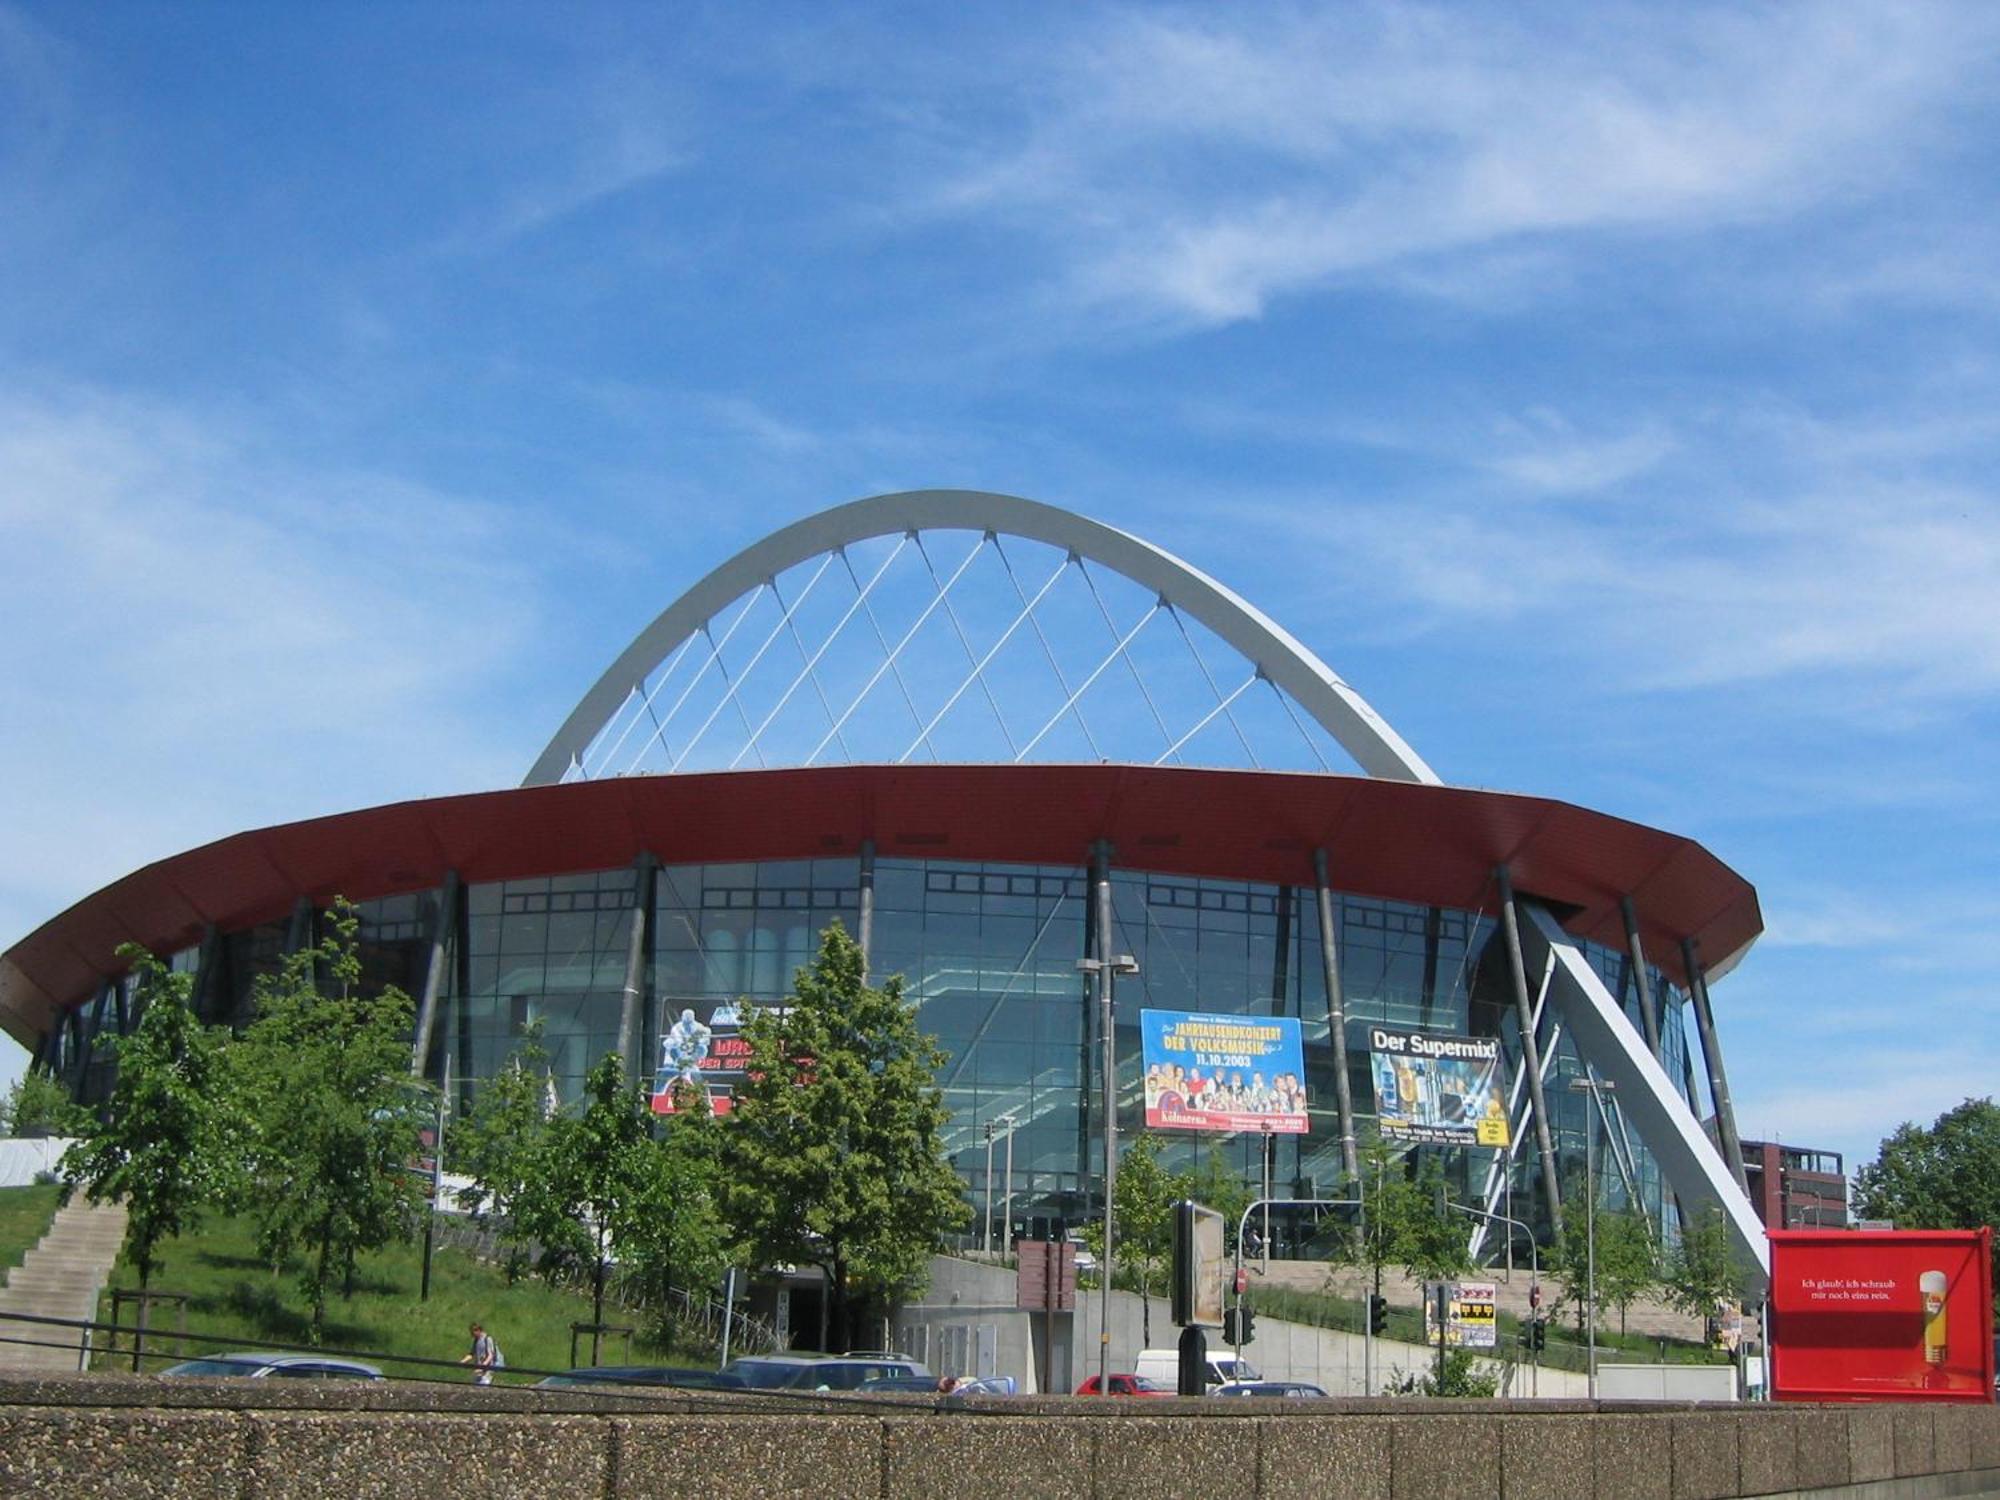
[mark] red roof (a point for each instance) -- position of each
(1429, 845)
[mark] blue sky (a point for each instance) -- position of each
(1610, 393)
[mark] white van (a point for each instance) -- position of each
(1164, 1365)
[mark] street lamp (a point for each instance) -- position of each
(1105, 970)
(1006, 1203)
(1597, 1088)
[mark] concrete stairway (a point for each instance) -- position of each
(59, 1278)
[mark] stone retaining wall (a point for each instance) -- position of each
(259, 1440)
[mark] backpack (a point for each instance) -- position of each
(499, 1359)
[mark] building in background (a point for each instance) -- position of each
(1796, 1187)
(995, 738)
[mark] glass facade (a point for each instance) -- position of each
(988, 956)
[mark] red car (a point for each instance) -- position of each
(1125, 1385)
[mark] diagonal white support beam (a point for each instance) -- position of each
(1215, 688)
(714, 659)
(1606, 1039)
(1049, 651)
(1138, 677)
(646, 695)
(1096, 672)
(1209, 718)
(813, 661)
(736, 686)
(908, 636)
(965, 645)
(881, 636)
(979, 668)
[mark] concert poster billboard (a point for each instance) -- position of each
(1881, 1315)
(1223, 1073)
(1438, 1089)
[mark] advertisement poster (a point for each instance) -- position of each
(1229, 1073)
(1881, 1315)
(709, 1055)
(1439, 1089)
(1471, 1319)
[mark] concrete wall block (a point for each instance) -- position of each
(1914, 1437)
(1325, 1458)
(1984, 1437)
(927, 1456)
(719, 1458)
(1173, 1456)
(1767, 1448)
(1871, 1444)
(1706, 1457)
(1822, 1446)
(1951, 1429)
(1548, 1458)
(1445, 1458)
(393, 1455)
(1633, 1457)
(153, 1455)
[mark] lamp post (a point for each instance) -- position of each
(1007, 1191)
(1596, 1087)
(986, 1240)
(1105, 970)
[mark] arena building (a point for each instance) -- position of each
(995, 739)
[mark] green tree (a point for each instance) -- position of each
(1944, 1177)
(501, 1144)
(170, 1132)
(334, 1117)
(1143, 1211)
(595, 1181)
(1433, 1241)
(680, 1240)
(832, 1154)
(1628, 1260)
(39, 1105)
(1701, 1272)
(1401, 1223)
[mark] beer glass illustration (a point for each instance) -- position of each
(1932, 1285)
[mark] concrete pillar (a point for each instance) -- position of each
(1648, 1013)
(633, 995)
(1711, 1055)
(866, 936)
(444, 922)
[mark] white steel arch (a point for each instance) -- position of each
(1275, 655)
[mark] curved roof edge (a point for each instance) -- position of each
(1316, 687)
(1424, 844)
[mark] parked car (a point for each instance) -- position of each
(820, 1372)
(1268, 1388)
(276, 1366)
(667, 1375)
(1126, 1385)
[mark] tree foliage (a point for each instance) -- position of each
(1946, 1176)
(39, 1105)
(1701, 1272)
(832, 1154)
(596, 1178)
(1401, 1223)
(501, 1144)
(334, 1118)
(171, 1130)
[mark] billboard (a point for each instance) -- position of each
(1471, 1313)
(1229, 1073)
(1882, 1315)
(708, 1054)
(1201, 1263)
(1435, 1088)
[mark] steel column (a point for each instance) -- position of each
(1531, 1051)
(206, 970)
(444, 921)
(635, 969)
(866, 920)
(1100, 880)
(1336, 1018)
(1649, 1015)
(1711, 1054)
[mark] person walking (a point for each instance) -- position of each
(484, 1356)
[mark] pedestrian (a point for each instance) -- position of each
(484, 1356)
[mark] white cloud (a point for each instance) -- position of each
(1198, 164)
(198, 636)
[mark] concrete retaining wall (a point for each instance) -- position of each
(247, 1440)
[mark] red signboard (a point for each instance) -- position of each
(1882, 1315)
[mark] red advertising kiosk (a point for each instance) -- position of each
(1882, 1315)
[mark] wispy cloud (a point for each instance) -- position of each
(1199, 164)
(188, 621)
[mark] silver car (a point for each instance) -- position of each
(277, 1367)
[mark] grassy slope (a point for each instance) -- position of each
(234, 1296)
(24, 1218)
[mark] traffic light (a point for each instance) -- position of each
(1378, 1314)
(1229, 1330)
(1538, 1335)
(1246, 1324)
